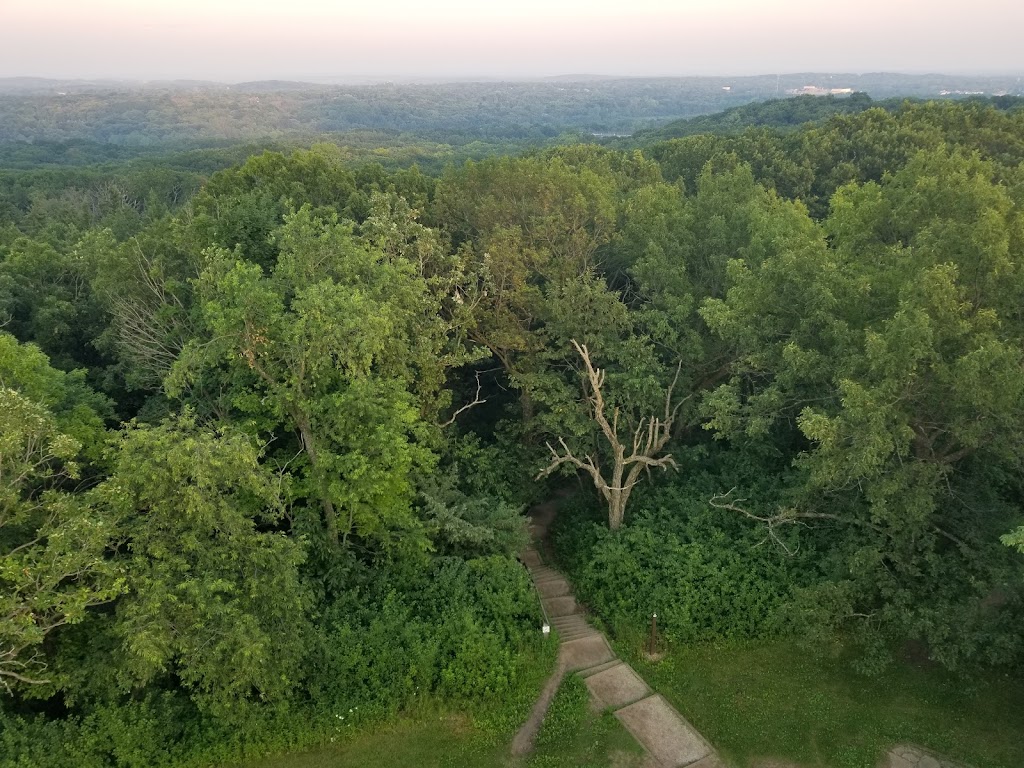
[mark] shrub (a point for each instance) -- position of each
(699, 568)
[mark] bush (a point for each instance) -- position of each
(699, 568)
(463, 630)
(459, 629)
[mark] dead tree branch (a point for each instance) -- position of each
(785, 516)
(477, 400)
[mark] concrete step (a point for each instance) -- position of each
(568, 636)
(577, 634)
(663, 732)
(561, 606)
(567, 623)
(586, 652)
(711, 761)
(530, 558)
(543, 570)
(599, 668)
(544, 578)
(616, 687)
(581, 627)
(554, 588)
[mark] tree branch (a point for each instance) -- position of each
(476, 401)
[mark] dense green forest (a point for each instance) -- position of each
(271, 415)
(788, 114)
(185, 113)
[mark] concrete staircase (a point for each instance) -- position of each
(669, 740)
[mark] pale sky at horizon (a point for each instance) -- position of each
(233, 40)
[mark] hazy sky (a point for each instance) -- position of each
(254, 39)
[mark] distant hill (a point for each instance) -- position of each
(189, 113)
(275, 86)
(48, 85)
(577, 78)
(788, 114)
(781, 114)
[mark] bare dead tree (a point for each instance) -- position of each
(151, 323)
(649, 439)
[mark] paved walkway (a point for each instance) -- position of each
(670, 741)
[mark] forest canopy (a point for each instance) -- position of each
(269, 423)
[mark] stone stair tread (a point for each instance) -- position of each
(537, 573)
(560, 606)
(571, 634)
(543, 582)
(569, 622)
(572, 637)
(568, 637)
(554, 588)
(564, 632)
(586, 652)
(584, 673)
(616, 687)
(711, 761)
(548, 578)
(663, 732)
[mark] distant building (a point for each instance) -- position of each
(807, 90)
(814, 90)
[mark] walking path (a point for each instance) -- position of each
(669, 740)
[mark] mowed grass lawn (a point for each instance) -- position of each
(780, 701)
(421, 741)
(571, 737)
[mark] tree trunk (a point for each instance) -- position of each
(526, 402)
(616, 510)
(330, 517)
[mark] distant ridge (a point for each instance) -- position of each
(781, 114)
(272, 86)
(49, 85)
(789, 114)
(582, 78)
(188, 112)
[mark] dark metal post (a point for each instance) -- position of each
(654, 633)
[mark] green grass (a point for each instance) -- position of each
(783, 702)
(436, 740)
(571, 737)
(574, 737)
